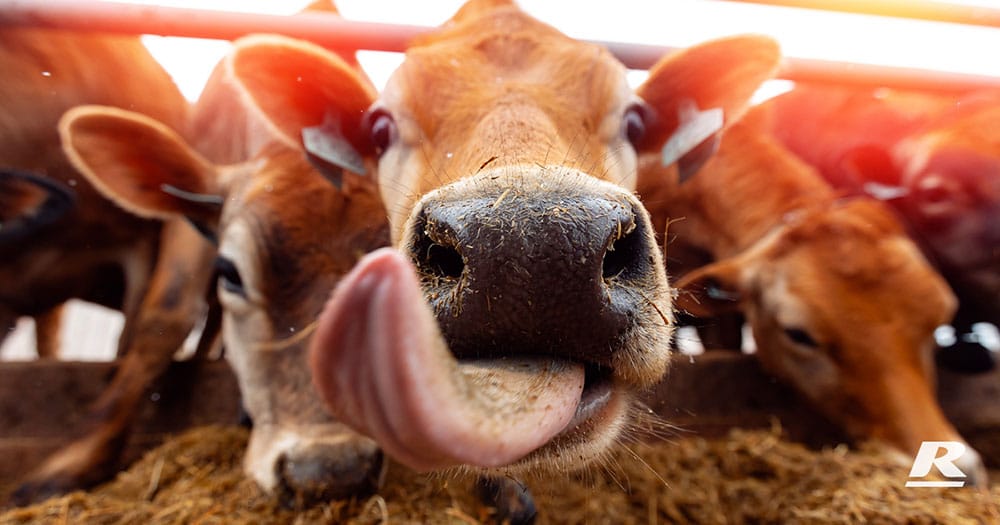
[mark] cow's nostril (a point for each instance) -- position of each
(434, 247)
(624, 252)
(444, 261)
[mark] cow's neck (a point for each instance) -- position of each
(748, 189)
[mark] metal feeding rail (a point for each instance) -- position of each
(332, 31)
(914, 9)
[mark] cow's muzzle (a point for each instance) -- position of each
(552, 264)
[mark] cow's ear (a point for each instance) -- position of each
(695, 93)
(713, 289)
(142, 165)
(312, 98)
(29, 202)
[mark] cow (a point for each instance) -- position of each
(935, 159)
(62, 239)
(841, 303)
(282, 238)
(523, 304)
(285, 236)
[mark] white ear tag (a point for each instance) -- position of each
(196, 198)
(885, 192)
(696, 126)
(326, 142)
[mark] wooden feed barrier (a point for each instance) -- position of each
(41, 404)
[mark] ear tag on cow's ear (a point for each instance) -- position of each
(201, 199)
(715, 292)
(194, 198)
(330, 152)
(884, 192)
(695, 140)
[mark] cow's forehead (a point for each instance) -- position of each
(513, 56)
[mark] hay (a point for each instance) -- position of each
(750, 477)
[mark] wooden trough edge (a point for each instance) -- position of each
(42, 403)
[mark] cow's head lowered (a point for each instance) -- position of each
(525, 300)
(285, 237)
(842, 304)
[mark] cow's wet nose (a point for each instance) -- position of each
(321, 472)
(556, 272)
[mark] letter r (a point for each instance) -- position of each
(927, 456)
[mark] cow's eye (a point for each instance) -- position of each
(229, 277)
(634, 123)
(382, 130)
(801, 337)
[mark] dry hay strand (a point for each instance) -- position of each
(749, 477)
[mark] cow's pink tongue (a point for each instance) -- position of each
(382, 366)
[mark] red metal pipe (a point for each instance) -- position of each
(119, 17)
(332, 31)
(914, 9)
(828, 71)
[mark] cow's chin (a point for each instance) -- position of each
(600, 419)
(383, 367)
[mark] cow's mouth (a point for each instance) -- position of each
(383, 367)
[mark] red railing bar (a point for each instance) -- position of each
(914, 9)
(120, 17)
(335, 32)
(829, 71)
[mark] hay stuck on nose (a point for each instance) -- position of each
(751, 476)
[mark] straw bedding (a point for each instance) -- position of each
(748, 477)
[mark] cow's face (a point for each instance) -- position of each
(488, 105)
(525, 302)
(285, 237)
(843, 306)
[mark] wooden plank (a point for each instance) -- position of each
(42, 403)
(717, 391)
(972, 403)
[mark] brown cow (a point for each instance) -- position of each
(524, 303)
(841, 303)
(934, 159)
(222, 130)
(295, 450)
(91, 249)
(286, 236)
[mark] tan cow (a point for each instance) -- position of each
(934, 159)
(90, 249)
(290, 455)
(842, 304)
(286, 236)
(524, 304)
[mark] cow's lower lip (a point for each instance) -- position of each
(597, 394)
